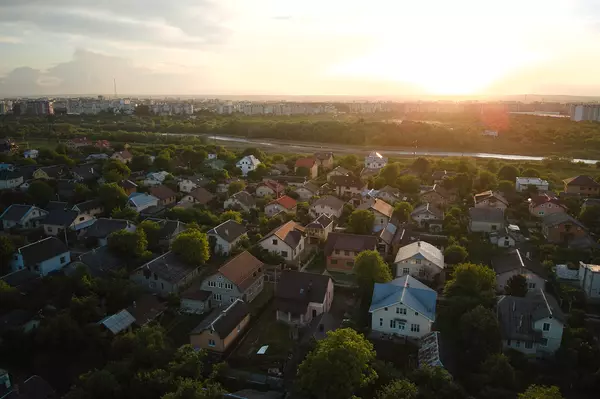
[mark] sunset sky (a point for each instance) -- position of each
(329, 47)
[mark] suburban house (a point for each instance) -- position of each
(195, 301)
(308, 163)
(33, 154)
(504, 238)
(141, 201)
(589, 280)
(165, 195)
(404, 307)
(286, 240)
(318, 230)
(307, 191)
(302, 297)
(10, 179)
(49, 172)
(103, 227)
(282, 204)
(164, 275)
(91, 207)
(338, 171)
(582, 185)
(155, 178)
(589, 202)
(65, 188)
(78, 142)
(532, 325)
(224, 237)
(439, 196)
(169, 230)
(42, 257)
(100, 262)
(327, 205)
(385, 238)
(515, 263)
(97, 157)
(341, 249)
(380, 209)
(348, 185)
(279, 169)
(22, 216)
(269, 188)
(123, 156)
(199, 195)
(241, 200)
(291, 181)
(187, 184)
(221, 328)
(544, 205)
(389, 194)
(54, 205)
(419, 259)
(485, 220)
(490, 199)
(86, 172)
(58, 221)
(440, 175)
(239, 278)
(562, 228)
(375, 161)
(324, 160)
(523, 184)
(248, 164)
(427, 215)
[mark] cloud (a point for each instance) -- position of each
(188, 24)
(9, 39)
(93, 73)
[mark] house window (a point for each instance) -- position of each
(546, 327)
(162, 286)
(346, 253)
(508, 342)
(274, 242)
(62, 260)
(418, 261)
(386, 309)
(284, 254)
(81, 218)
(155, 276)
(220, 285)
(231, 300)
(494, 227)
(50, 229)
(528, 345)
(337, 251)
(380, 322)
(401, 326)
(211, 342)
(531, 286)
(217, 297)
(405, 270)
(333, 261)
(239, 328)
(397, 310)
(518, 344)
(402, 310)
(540, 212)
(392, 323)
(415, 327)
(544, 341)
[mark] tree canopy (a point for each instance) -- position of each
(370, 268)
(191, 247)
(361, 221)
(516, 286)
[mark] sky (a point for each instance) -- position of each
(309, 47)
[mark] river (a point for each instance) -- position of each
(344, 148)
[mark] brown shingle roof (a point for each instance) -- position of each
(349, 242)
(581, 180)
(241, 268)
(378, 205)
(290, 233)
(305, 163)
(162, 192)
(202, 195)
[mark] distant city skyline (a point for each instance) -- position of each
(381, 48)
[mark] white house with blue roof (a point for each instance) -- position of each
(141, 201)
(404, 306)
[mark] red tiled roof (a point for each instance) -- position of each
(305, 163)
(285, 201)
(543, 199)
(273, 185)
(240, 268)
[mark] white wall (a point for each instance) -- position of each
(381, 319)
(418, 268)
(318, 210)
(274, 244)
(553, 335)
(484, 227)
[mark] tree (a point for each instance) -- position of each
(436, 383)
(163, 162)
(455, 254)
(339, 365)
(370, 268)
(541, 392)
(390, 173)
(361, 221)
(590, 216)
(256, 152)
(231, 215)
(193, 389)
(140, 162)
(128, 244)
(499, 372)
(516, 286)
(531, 173)
(40, 192)
(506, 187)
(486, 180)
(114, 171)
(476, 282)
(9, 296)
(7, 249)
(112, 196)
(402, 211)
(235, 187)
(152, 231)
(479, 336)
(302, 171)
(191, 247)
(408, 184)
(508, 172)
(398, 389)
(421, 165)
(126, 213)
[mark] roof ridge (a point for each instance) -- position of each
(43, 239)
(547, 304)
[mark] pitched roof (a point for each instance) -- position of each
(35, 387)
(310, 186)
(124, 154)
(87, 206)
(242, 270)
(559, 218)
(103, 227)
(118, 322)
(139, 199)
(340, 170)
(60, 217)
(168, 267)
(489, 215)
(201, 195)
(320, 223)
(428, 208)
(305, 162)
(295, 290)
(16, 212)
(581, 180)
(146, 308)
(330, 201)
(517, 315)
(285, 201)
(378, 205)
(244, 198)
(323, 156)
(390, 190)
(515, 260)
(53, 171)
(349, 242)
(167, 227)
(101, 261)
(290, 233)
(224, 319)
(251, 158)
(196, 294)
(421, 250)
(87, 171)
(388, 232)
(42, 250)
(405, 290)
(486, 195)
(273, 185)
(229, 230)
(10, 175)
(544, 199)
(53, 205)
(162, 192)
(347, 181)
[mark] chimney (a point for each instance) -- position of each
(226, 232)
(419, 243)
(134, 304)
(528, 255)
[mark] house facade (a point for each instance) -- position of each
(381, 210)
(318, 230)
(523, 184)
(165, 195)
(301, 297)
(141, 201)
(348, 186)
(490, 199)
(22, 217)
(226, 236)
(42, 257)
(486, 220)
(426, 214)
(242, 200)
(589, 280)
(164, 275)
(341, 250)
(247, 164)
(375, 161)
(439, 197)
(287, 241)
(310, 164)
(404, 307)
(221, 328)
(327, 205)
(514, 263)
(583, 185)
(324, 160)
(337, 171)
(269, 188)
(419, 259)
(544, 205)
(123, 156)
(282, 204)
(562, 228)
(10, 179)
(58, 221)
